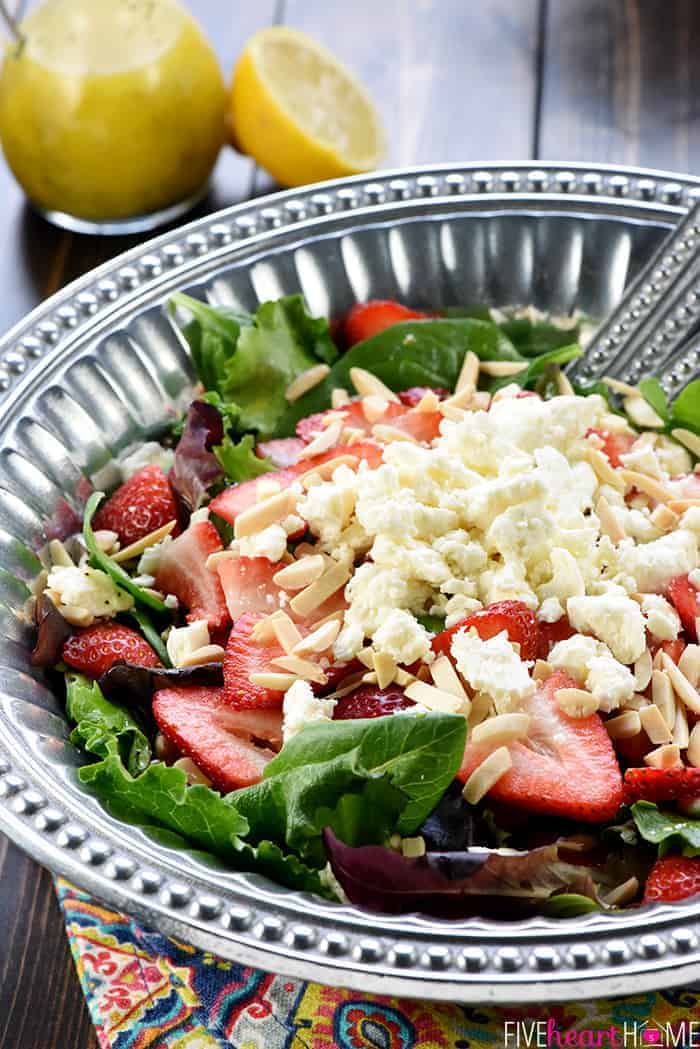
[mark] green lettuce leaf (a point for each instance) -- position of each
(212, 335)
(238, 459)
(102, 727)
(568, 905)
(99, 559)
(685, 410)
(364, 779)
(653, 393)
(537, 368)
(671, 831)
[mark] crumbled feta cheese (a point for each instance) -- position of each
(673, 457)
(614, 619)
(567, 580)
(271, 543)
(550, 611)
(694, 578)
(691, 520)
(402, 637)
(88, 589)
(662, 619)
(493, 667)
(654, 564)
(184, 640)
(591, 663)
(643, 458)
(301, 707)
(149, 562)
(328, 507)
(150, 453)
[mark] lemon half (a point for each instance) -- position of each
(299, 113)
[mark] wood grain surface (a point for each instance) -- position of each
(597, 80)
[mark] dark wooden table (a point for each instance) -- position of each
(597, 80)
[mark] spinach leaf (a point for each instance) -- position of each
(413, 353)
(685, 410)
(102, 726)
(99, 559)
(363, 778)
(537, 368)
(238, 459)
(534, 339)
(653, 393)
(568, 905)
(672, 832)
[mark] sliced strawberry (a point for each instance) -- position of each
(239, 497)
(245, 657)
(514, 617)
(145, 502)
(566, 767)
(248, 586)
(673, 878)
(674, 649)
(683, 595)
(95, 649)
(632, 750)
(551, 633)
(282, 451)
(614, 444)
(368, 701)
(649, 784)
(415, 394)
(421, 426)
(183, 572)
(369, 318)
(231, 747)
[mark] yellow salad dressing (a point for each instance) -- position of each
(111, 109)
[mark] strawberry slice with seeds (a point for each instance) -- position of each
(649, 784)
(614, 444)
(684, 597)
(514, 617)
(245, 657)
(368, 701)
(673, 878)
(239, 497)
(95, 649)
(366, 319)
(566, 766)
(145, 502)
(231, 747)
(248, 586)
(183, 572)
(281, 451)
(415, 394)
(421, 426)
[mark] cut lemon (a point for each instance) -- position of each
(299, 113)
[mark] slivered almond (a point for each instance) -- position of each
(641, 412)
(326, 440)
(218, 556)
(667, 756)
(681, 686)
(261, 515)
(504, 728)
(305, 382)
(576, 702)
(679, 506)
(445, 677)
(310, 479)
(368, 384)
(403, 678)
(663, 697)
(266, 487)
(542, 670)
(625, 725)
(655, 725)
(60, 556)
(680, 727)
(646, 484)
(318, 640)
(622, 894)
(603, 470)
(688, 439)
(326, 470)
(481, 708)
(469, 372)
(434, 698)
(192, 772)
(563, 383)
(299, 574)
(642, 671)
(694, 746)
(332, 617)
(263, 630)
(351, 435)
(502, 369)
(302, 668)
(287, 633)
(635, 702)
(609, 524)
(429, 402)
(620, 387)
(370, 677)
(385, 668)
(413, 848)
(387, 434)
(275, 682)
(461, 399)
(339, 397)
(664, 517)
(203, 655)
(374, 408)
(449, 411)
(656, 661)
(480, 401)
(486, 775)
(106, 540)
(303, 603)
(366, 657)
(689, 664)
(137, 548)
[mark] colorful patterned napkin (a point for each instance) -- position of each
(145, 990)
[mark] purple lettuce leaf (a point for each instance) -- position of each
(52, 631)
(196, 467)
(133, 686)
(501, 884)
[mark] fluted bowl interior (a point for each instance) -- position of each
(102, 365)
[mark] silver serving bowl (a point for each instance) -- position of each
(99, 366)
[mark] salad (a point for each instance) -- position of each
(397, 615)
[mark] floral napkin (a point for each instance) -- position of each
(145, 990)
